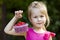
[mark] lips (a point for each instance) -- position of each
(39, 23)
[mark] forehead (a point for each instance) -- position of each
(36, 11)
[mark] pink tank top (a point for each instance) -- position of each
(31, 35)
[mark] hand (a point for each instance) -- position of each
(18, 14)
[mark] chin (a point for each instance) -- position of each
(38, 25)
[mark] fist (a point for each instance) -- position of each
(18, 14)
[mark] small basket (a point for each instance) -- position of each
(21, 28)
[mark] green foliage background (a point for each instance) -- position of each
(53, 7)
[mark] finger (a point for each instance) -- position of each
(16, 11)
(21, 11)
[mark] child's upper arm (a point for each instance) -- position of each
(12, 32)
(49, 35)
(50, 38)
(18, 29)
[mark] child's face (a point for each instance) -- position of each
(38, 19)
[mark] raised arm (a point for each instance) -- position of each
(9, 27)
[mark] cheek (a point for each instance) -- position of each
(34, 20)
(44, 19)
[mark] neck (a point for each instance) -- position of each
(38, 29)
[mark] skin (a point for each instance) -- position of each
(38, 20)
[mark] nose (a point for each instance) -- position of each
(39, 19)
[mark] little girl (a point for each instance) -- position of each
(38, 16)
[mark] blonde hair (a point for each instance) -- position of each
(42, 8)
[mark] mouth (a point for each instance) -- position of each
(39, 23)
